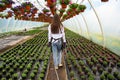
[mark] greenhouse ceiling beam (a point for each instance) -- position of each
(70, 23)
(79, 25)
(39, 3)
(15, 24)
(81, 1)
(18, 1)
(8, 23)
(77, 1)
(86, 26)
(98, 22)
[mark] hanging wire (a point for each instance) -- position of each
(77, 1)
(39, 4)
(82, 1)
(18, 1)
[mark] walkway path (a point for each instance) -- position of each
(59, 74)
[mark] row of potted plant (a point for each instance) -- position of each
(86, 60)
(26, 61)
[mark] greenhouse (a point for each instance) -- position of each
(91, 40)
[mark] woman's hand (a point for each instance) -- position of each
(64, 45)
(49, 44)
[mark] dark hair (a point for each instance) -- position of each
(56, 24)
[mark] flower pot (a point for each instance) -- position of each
(63, 6)
(8, 5)
(52, 10)
(2, 9)
(28, 7)
(109, 69)
(116, 74)
(104, 0)
(102, 77)
(0, 75)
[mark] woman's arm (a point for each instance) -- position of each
(49, 33)
(63, 34)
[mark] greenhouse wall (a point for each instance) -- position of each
(10, 24)
(88, 25)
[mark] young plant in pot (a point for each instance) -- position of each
(105, 63)
(116, 73)
(4, 72)
(42, 75)
(3, 78)
(118, 77)
(24, 76)
(79, 70)
(100, 70)
(109, 69)
(110, 77)
(102, 77)
(25, 71)
(105, 73)
(11, 71)
(8, 75)
(32, 75)
(118, 64)
(90, 64)
(1, 75)
(98, 66)
(94, 70)
(15, 76)
(8, 68)
(70, 67)
(112, 64)
(1, 68)
(91, 77)
(87, 70)
(83, 77)
(71, 74)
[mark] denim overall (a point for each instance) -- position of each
(57, 51)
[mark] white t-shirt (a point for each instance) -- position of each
(56, 36)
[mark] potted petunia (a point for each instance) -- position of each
(8, 3)
(104, 0)
(2, 7)
(15, 9)
(64, 3)
(73, 6)
(20, 9)
(10, 13)
(69, 11)
(81, 8)
(51, 3)
(45, 10)
(64, 16)
(34, 10)
(61, 12)
(27, 5)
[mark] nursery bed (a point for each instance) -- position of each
(84, 60)
(88, 61)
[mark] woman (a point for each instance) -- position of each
(55, 36)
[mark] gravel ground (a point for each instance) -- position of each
(11, 40)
